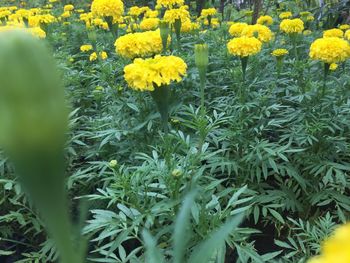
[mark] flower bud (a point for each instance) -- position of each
(33, 113)
(176, 173)
(113, 163)
(201, 52)
(164, 33)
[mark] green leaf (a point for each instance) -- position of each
(153, 254)
(205, 250)
(182, 226)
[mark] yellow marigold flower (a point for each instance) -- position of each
(335, 32)
(143, 44)
(66, 14)
(265, 20)
(261, 32)
(68, 8)
(107, 8)
(103, 55)
(330, 50)
(244, 46)
(178, 13)
(347, 34)
(333, 66)
(188, 26)
(285, 15)
(137, 11)
(208, 12)
(336, 248)
(149, 24)
(85, 48)
(169, 3)
(93, 56)
(291, 26)
(237, 28)
(151, 14)
(148, 74)
(280, 52)
(37, 32)
(344, 27)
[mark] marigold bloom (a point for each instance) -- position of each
(336, 248)
(103, 55)
(107, 8)
(68, 8)
(149, 24)
(169, 3)
(208, 12)
(236, 29)
(85, 48)
(333, 66)
(280, 52)
(177, 13)
(330, 50)
(144, 74)
(244, 46)
(263, 33)
(335, 32)
(291, 26)
(344, 27)
(139, 44)
(265, 20)
(347, 34)
(93, 56)
(285, 15)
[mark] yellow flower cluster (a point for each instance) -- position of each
(34, 31)
(177, 13)
(330, 50)
(263, 33)
(170, 3)
(285, 15)
(149, 24)
(265, 20)
(336, 249)
(244, 46)
(147, 74)
(85, 48)
(344, 27)
(237, 28)
(142, 44)
(335, 32)
(280, 52)
(137, 11)
(107, 8)
(208, 12)
(347, 34)
(291, 26)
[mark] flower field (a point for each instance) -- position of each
(174, 131)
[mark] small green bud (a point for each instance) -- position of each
(113, 163)
(164, 33)
(201, 52)
(176, 173)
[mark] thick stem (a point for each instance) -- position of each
(244, 61)
(161, 96)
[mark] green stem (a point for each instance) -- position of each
(244, 61)
(325, 75)
(161, 96)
